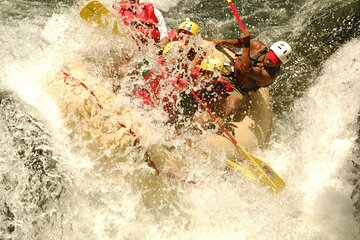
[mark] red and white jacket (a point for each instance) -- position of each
(140, 17)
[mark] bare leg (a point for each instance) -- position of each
(233, 103)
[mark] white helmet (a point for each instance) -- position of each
(282, 50)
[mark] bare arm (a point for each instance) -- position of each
(261, 76)
(227, 42)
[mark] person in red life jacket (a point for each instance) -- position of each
(163, 84)
(143, 17)
(258, 66)
(191, 71)
(188, 33)
(179, 59)
(180, 71)
(212, 88)
(205, 79)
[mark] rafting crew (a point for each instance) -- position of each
(182, 62)
(178, 63)
(258, 66)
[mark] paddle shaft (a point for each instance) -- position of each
(241, 24)
(232, 138)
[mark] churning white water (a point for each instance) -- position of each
(318, 148)
(312, 153)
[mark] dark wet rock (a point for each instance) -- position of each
(46, 180)
(355, 196)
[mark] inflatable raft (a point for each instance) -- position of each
(108, 129)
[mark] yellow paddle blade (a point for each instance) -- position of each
(263, 171)
(235, 166)
(96, 12)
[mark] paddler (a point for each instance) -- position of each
(162, 84)
(144, 18)
(187, 33)
(258, 66)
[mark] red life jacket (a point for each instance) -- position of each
(172, 35)
(162, 89)
(141, 17)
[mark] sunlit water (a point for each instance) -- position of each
(312, 150)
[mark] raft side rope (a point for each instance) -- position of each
(74, 82)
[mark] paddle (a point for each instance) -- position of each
(258, 168)
(242, 26)
(96, 12)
